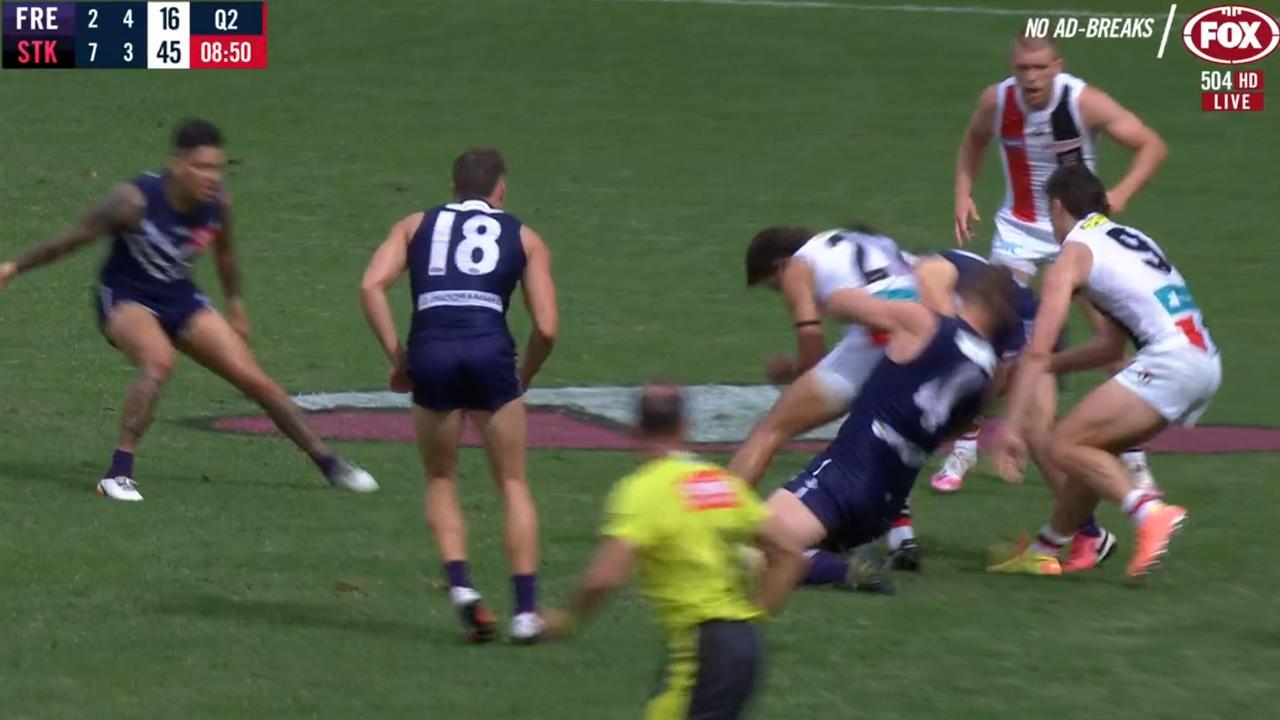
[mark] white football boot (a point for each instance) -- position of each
(119, 488)
(348, 476)
(526, 628)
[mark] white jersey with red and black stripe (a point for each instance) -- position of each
(1034, 143)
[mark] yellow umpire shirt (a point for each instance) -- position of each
(689, 522)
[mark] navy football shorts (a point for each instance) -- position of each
(854, 500)
(474, 373)
(173, 307)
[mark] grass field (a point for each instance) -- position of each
(646, 142)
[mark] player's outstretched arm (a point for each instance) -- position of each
(1105, 346)
(386, 267)
(224, 259)
(796, 284)
(936, 283)
(540, 300)
(121, 209)
(1101, 113)
(1068, 272)
(608, 570)
(973, 145)
(893, 316)
(784, 565)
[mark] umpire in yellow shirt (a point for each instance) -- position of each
(689, 525)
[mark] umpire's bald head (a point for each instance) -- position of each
(661, 412)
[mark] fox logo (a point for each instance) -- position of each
(1231, 35)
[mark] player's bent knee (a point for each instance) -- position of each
(157, 369)
(1062, 451)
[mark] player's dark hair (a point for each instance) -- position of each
(1078, 189)
(477, 171)
(770, 248)
(194, 133)
(661, 410)
(994, 289)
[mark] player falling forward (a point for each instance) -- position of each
(148, 306)
(936, 279)
(1171, 379)
(689, 524)
(808, 269)
(1043, 118)
(464, 260)
(935, 378)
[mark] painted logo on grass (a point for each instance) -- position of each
(596, 418)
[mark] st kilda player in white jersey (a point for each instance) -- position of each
(1043, 118)
(808, 269)
(1170, 380)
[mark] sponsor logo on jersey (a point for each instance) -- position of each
(1094, 221)
(709, 490)
(202, 237)
(1231, 34)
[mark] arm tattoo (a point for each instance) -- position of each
(225, 257)
(117, 210)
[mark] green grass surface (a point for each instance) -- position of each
(646, 143)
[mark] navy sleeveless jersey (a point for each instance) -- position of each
(465, 260)
(159, 257)
(914, 406)
(1012, 341)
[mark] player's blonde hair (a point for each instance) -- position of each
(1032, 44)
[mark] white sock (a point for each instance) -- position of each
(900, 534)
(1139, 503)
(1133, 457)
(966, 445)
(1050, 542)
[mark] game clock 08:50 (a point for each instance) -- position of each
(235, 52)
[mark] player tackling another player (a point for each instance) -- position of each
(464, 260)
(808, 269)
(1043, 118)
(148, 306)
(1171, 379)
(935, 377)
(936, 279)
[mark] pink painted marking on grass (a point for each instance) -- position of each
(548, 429)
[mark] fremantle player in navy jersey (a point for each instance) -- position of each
(935, 377)
(464, 260)
(148, 306)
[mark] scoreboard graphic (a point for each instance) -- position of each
(144, 35)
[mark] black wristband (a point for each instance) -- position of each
(808, 323)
